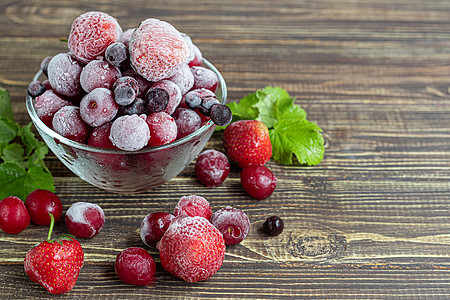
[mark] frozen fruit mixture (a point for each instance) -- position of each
(134, 79)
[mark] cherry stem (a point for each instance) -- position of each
(52, 223)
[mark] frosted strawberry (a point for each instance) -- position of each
(55, 264)
(247, 142)
(192, 249)
(157, 50)
(91, 34)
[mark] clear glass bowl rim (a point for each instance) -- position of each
(38, 123)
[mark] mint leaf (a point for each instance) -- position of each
(5, 105)
(296, 140)
(8, 130)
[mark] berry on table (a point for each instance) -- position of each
(193, 206)
(233, 223)
(68, 123)
(153, 227)
(98, 107)
(35, 88)
(192, 249)
(187, 121)
(85, 219)
(212, 168)
(163, 129)
(273, 226)
(204, 78)
(47, 105)
(116, 54)
(135, 266)
(98, 74)
(258, 181)
(64, 75)
(40, 203)
(247, 142)
(55, 264)
(14, 217)
(91, 33)
(130, 133)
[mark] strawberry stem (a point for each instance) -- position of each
(52, 223)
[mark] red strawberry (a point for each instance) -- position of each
(247, 142)
(55, 264)
(191, 249)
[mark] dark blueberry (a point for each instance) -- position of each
(138, 107)
(44, 64)
(116, 54)
(35, 89)
(128, 80)
(157, 99)
(192, 100)
(221, 114)
(124, 94)
(207, 103)
(273, 226)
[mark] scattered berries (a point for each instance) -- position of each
(40, 203)
(55, 264)
(233, 223)
(192, 206)
(258, 181)
(247, 142)
(14, 217)
(273, 226)
(212, 168)
(85, 219)
(192, 249)
(135, 266)
(153, 227)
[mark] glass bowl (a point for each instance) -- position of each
(122, 171)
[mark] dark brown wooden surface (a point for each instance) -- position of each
(370, 222)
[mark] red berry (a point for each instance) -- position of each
(212, 168)
(184, 79)
(273, 226)
(258, 181)
(197, 60)
(135, 266)
(157, 50)
(98, 107)
(99, 137)
(153, 227)
(47, 105)
(192, 249)
(64, 75)
(41, 202)
(204, 78)
(55, 264)
(68, 123)
(163, 129)
(85, 219)
(130, 132)
(192, 206)
(91, 33)
(187, 121)
(233, 223)
(98, 74)
(14, 217)
(247, 142)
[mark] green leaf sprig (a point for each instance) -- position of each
(22, 166)
(294, 139)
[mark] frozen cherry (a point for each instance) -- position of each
(35, 88)
(116, 54)
(163, 129)
(233, 223)
(184, 79)
(187, 121)
(85, 219)
(220, 114)
(98, 74)
(14, 217)
(130, 133)
(153, 227)
(40, 203)
(47, 105)
(212, 168)
(193, 206)
(204, 78)
(273, 226)
(99, 137)
(98, 107)
(258, 181)
(68, 123)
(197, 60)
(44, 64)
(135, 266)
(64, 75)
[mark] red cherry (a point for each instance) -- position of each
(258, 181)
(14, 216)
(135, 266)
(153, 227)
(41, 202)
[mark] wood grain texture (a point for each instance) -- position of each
(370, 222)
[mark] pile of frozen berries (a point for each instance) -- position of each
(145, 86)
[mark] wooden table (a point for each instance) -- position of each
(370, 221)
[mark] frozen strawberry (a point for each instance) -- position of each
(55, 264)
(247, 142)
(91, 34)
(85, 219)
(157, 50)
(192, 249)
(192, 206)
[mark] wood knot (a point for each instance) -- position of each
(315, 246)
